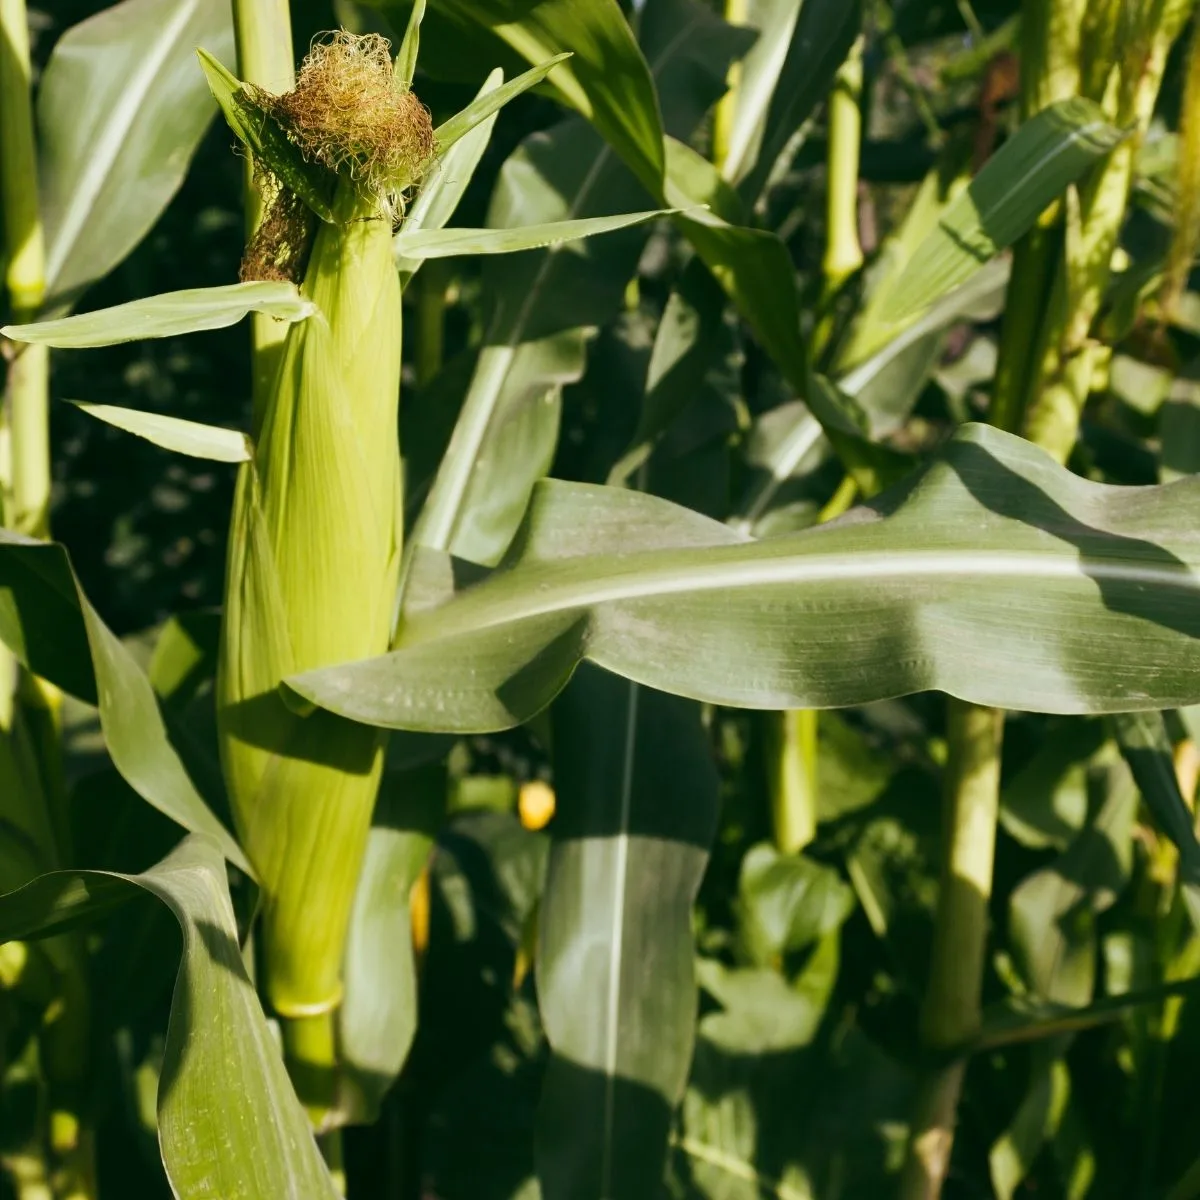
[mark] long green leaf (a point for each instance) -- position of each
(47, 622)
(446, 183)
(487, 103)
(167, 315)
(229, 1124)
(994, 575)
(451, 243)
(174, 433)
(121, 110)
(784, 77)
(637, 807)
(605, 81)
(1032, 169)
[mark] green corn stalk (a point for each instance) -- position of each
(1137, 38)
(311, 580)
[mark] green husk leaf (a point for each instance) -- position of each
(174, 433)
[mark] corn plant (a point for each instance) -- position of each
(698, 698)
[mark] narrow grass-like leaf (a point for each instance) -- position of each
(174, 433)
(488, 103)
(406, 57)
(121, 110)
(48, 624)
(451, 243)
(446, 182)
(229, 1124)
(167, 315)
(994, 575)
(1048, 153)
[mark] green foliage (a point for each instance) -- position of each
(514, 683)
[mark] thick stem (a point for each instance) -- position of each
(791, 747)
(263, 31)
(843, 251)
(950, 1013)
(310, 1047)
(25, 277)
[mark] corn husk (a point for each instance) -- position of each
(311, 579)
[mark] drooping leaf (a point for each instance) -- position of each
(1031, 170)
(1062, 596)
(229, 1123)
(174, 433)
(637, 807)
(48, 624)
(121, 109)
(167, 315)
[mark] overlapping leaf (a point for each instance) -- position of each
(121, 109)
(229, 1124)
(994, 575)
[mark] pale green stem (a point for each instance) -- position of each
(843, 251)
(951, 1010)
(25, 277)
(791, 753)
(310, 1047)
(736, 13)
(263, 31)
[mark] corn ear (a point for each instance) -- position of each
(311, 578)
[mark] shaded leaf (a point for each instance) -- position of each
(121, 109)
(229, 1123)
(48, 624)
(637, 809)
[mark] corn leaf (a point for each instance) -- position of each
(786, 74)
(229, 1123)
(174, 433)
(446, 182)
(1032, 169)
(637, 801)
(121, 110)
(378, 1015)
(449, 243)
(546, 304)
(406, 57)
(994, 575)
(48, 624)
(606, 81)
(490, 102)
(167, 315)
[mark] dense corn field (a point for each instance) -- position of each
(600, 600)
